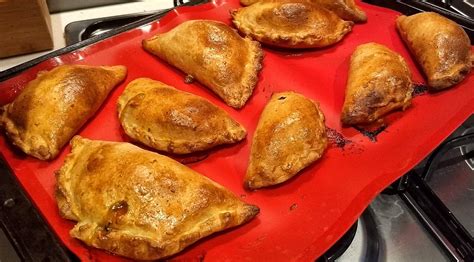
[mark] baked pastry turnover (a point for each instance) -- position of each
(379, 82)
(214, 54)
(290, 135)
(295, 24)
(55, 105)
(174, 121)
(140, 204)
(345, 9)
(439, 45)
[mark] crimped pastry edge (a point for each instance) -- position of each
(177, 146)
(223, 220)
(252, 69)
(357, 15)
(63, 201)
(294, 41)
(40, 149)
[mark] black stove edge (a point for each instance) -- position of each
(6, 74)
(21, 222)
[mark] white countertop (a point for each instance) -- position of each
(60, 20)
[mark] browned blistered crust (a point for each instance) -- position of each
(213, 54)
(295, 24)
(379, 82)
(290, 135)
(140, 204)
(55, 105)
(345, 9)
(439, 45)
(174, 121)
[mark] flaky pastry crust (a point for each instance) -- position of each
(140, 204)
(215, 55)
(379, 82)
(290, 135)
(345, 9)
(295, 24)
(54, 106)
(439, 45)
(174, 121)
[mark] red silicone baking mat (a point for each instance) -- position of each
(302, 218)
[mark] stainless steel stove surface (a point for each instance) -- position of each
(400, 236)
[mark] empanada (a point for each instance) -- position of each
(379, 82)
(215, 55)
(345, 9)
(55, 105)
(439, 45)
(290, 135)
(295, 24)
(174, 121)
(140, 204)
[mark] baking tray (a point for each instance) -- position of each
(302, 218)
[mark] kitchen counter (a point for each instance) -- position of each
(60, 20)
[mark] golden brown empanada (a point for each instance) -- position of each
(140, 204)
(439, 45)
(214, 54)
(379, 82)
(290, 135)
(295, 24)
(345, 9)
(55, 105)
(179, 123)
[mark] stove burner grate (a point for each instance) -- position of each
(372, 248)
(456, 241)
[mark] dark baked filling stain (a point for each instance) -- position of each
(419, 89)
(337, 138)
(189, 79)
(371, 134)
